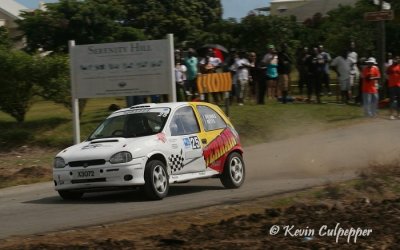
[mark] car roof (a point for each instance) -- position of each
(171, 105)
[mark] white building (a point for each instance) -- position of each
(278, 7)
(304, 9)
(10, 11)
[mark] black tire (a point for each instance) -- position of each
(234, 171)
(156, 180)
(69, 195)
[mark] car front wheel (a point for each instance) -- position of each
(156, 180)
(234, 171)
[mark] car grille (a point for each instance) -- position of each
(88, 180)
(86, 163)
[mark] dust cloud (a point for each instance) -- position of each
(329, 152)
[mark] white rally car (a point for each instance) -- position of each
(152, 145)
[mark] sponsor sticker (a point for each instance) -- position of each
(161, 137)
(186, 142)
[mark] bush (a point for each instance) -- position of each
(15, 137)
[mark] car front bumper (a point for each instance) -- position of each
(104, 176)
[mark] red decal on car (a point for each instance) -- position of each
(218, 147)
(162, 137)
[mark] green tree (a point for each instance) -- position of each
(257, 31)
(16, 83)
(90, 21)
(393, 29)
(5, 41)
(186, 19)
(224, 32)
(99, 21)
(346, 24)
(53, 80)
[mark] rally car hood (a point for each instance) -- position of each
(104, 148)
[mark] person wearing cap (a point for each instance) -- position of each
(370, 75)
(393, 73)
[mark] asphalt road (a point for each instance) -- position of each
(272, 168)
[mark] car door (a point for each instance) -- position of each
(187, 153)
(214, 139)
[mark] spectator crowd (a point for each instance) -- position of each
(257, 78)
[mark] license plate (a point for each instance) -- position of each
(85, 174)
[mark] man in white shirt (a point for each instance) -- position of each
(180, 79)
(242, 72)
(343, 65)
(355, 72)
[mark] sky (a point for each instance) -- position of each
(232, 8)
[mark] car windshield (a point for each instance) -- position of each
(132, 123)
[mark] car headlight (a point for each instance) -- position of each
(58, 162)
(121, 157)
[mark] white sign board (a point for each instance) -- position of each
(122, 69)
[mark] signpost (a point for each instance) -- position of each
(382, 15)
(121, 69)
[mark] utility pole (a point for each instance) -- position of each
(380, 17)
(382, 51)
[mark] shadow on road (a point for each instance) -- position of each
(124, 196)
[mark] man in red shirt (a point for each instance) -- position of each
(393, 73)
(370, 75)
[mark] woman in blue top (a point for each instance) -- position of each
(272, 75)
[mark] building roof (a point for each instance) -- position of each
(12, 8)
(312, 7)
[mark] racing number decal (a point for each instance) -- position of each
(194, 141)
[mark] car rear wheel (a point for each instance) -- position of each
(69, 195)
(156, 180)
(234, 171)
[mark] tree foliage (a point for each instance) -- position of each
(186, 19)
(100, 21)
(53, 80)
(5, 41)
(259, 31)
(16, 83)
(86, 22)
(346, 24)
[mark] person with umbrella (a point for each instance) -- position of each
(211, 64)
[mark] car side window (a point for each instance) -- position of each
(184, 122)
(211, 119)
